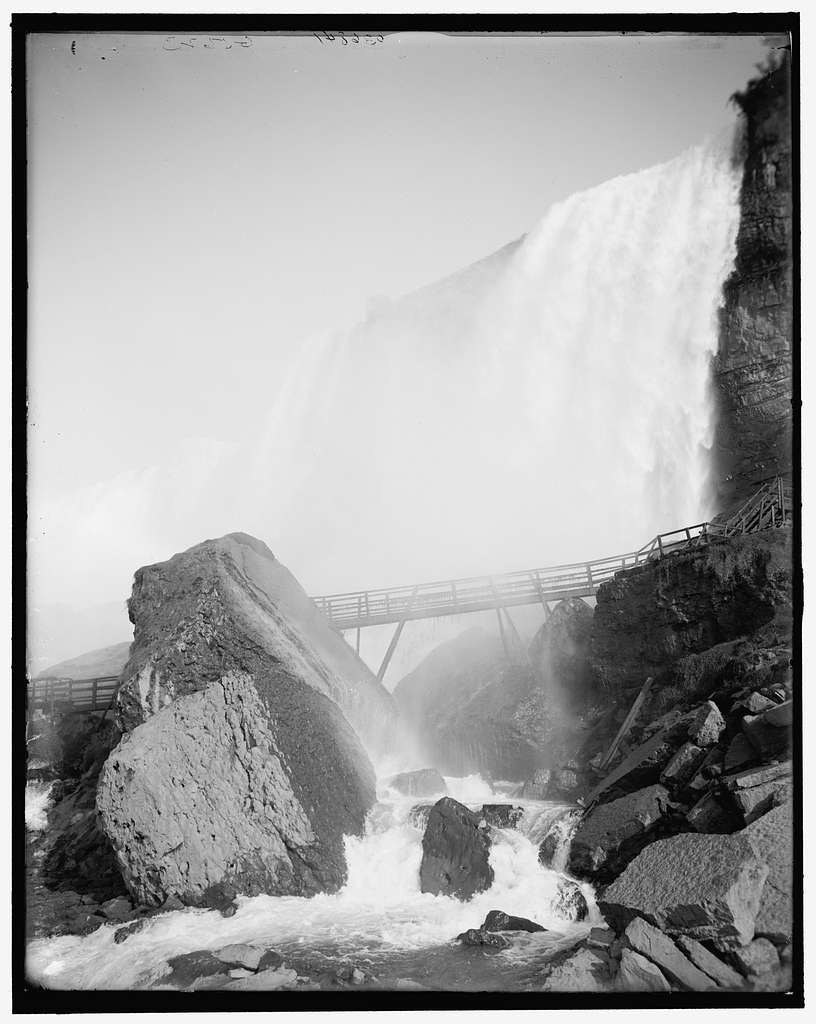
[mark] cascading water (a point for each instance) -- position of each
(380, 920)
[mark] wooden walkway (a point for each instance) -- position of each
(770, 506)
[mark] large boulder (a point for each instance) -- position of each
(240, 766)
(708, 887)
(230, 605)
(610, 835)
(455, 852)
(772, 838)
(250, 783)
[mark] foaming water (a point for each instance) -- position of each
(37, 802)
(380, 917)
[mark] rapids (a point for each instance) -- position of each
(379, 921)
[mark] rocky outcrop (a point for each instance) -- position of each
(229, 605)
(473, 710)
(455, 852)
(703, 886)
(614, 833)
(753, 366)
(251, 782)
(649, 618)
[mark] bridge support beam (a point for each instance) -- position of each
(389, 654)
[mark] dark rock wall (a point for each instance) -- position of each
(649, 618)
(752, 370)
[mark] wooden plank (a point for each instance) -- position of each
(627, 723)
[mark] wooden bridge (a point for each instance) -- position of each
(771, 506)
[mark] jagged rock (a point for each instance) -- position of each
(570, 903)
(719, 972)
(252, 782)
(502, 815)
(758, 957)
(172, 903)
(683, 765)
(583, 971)
(538, 786)
(455, 852)
(123, 933)
(611, 834)
(740, 752)
(711, 815)
(640, 768)
(424, 782)
(772, 838)
(753, 704)
(704, 886)
(498, 921)
(706, 726)
(480, 937)
(644, 938)
(758, 800)
(241, 954)
(637, 974)
(758, 776)
(117, 909)
(770, 732)
(602, 938)
(710, 767)
(230, 605)
(265, 981)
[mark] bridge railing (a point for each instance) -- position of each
(81, 694)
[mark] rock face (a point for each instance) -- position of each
(772, 838)
(752, 369)
(651, 617)
(455, 852)
(230, 605)
(251, 782)
(238, 769)
(703, 886)
(473, 710)
(612, 834)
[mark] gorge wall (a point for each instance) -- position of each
(753, 366)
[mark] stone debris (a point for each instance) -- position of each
(638, 974)
(659, 948)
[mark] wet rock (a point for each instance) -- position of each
(418, 815)
(719, 972)
(683, 765)
(172, 903)
(124, 933)
(740, 752)
(637, 974)
(583, 971)
(644, 938)
(205, 792)
(772, 838)
(706, 726)
(240, 955)
(480, 937)
(265, 981)
(538, 786)
(190, 969)
(704, 886)
(82, 921)
(757, 958)
(713, 816)
(424, 782)
(117, 909)
(570, 903)
(455, 852)
(498, 921)
(601, 938)
(502, 815)
(770, 732)
(611, 834)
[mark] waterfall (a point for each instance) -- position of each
(549, 404)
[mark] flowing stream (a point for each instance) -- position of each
(380, 922)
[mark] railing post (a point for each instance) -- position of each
(589, 579)
(660, 544)
(94, 688)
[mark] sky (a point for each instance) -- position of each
(200, 208)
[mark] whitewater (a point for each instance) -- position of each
(379, 921)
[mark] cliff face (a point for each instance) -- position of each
(752, 370)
